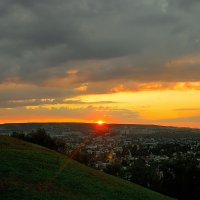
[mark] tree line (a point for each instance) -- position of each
(41, 138)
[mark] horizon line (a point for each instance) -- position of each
(54, 122)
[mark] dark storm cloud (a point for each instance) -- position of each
(40, 40)
(185, 3)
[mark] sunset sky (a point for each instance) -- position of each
(120, 61)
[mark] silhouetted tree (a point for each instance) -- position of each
(40, 137)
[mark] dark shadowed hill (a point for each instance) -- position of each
(29, 171)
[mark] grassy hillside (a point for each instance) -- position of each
(29, 171)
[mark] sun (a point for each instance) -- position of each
(100, 122)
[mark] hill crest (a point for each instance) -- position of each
(30, 171)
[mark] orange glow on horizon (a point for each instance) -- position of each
(169, 107)
(64, 120)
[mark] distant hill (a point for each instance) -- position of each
(28, 171)
(59, 129)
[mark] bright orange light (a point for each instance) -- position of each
(100, 122)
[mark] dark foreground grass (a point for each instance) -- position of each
(29, 171)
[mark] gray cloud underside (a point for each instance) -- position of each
(38, 102)
(79, 113)
(40, 40)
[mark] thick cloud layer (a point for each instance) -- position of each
(42, 40)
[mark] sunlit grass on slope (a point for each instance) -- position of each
(28, 171)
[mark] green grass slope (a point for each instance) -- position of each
(28, 171)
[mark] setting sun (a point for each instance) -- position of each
(100, 122)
